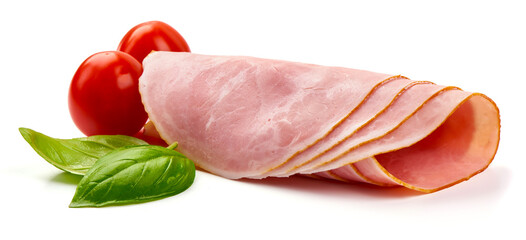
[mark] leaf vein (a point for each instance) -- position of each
(164, 172)
(87, 192)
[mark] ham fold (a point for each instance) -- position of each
(247, 117)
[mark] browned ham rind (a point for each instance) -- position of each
(373, 104)
(392, 115)
(466, 143)
(245, 117)
(461, 146)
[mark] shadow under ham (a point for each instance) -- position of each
(491, 184)
(332, 187)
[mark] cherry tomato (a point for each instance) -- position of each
(104, 95)
(152, 36)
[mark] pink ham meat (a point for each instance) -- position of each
(246, 117)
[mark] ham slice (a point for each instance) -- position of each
(246, 117)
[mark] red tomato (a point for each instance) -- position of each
(104, 95)
(152, 36)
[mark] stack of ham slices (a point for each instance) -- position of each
(246, 117)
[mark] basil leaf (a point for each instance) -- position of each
(134, 174)
(76, 155)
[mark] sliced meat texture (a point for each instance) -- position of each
(389, 118)
(376, 102)
(247, 117)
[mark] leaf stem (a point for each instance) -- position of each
(173, 146)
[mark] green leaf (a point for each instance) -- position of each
(76, 155)
(134, 174)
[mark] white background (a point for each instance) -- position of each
(476, 45)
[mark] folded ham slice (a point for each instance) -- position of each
(246, 117)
